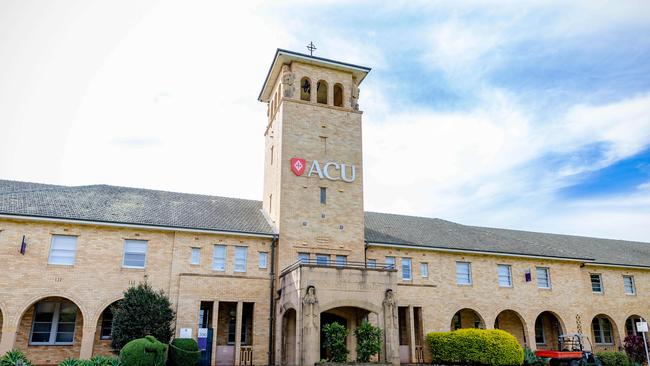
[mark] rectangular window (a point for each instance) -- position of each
(424, 270)
(463, 273)
(135, 254)
(54, 323)
(505, 275)
(106, 331)
(322, 259)
(264, 260)
(341, 260)
(390, 262)
(303, 257)
(372, 263)
(543, 277)
(323, 195)
(596, 283)
(219, 258)
(195, 257)
(628, 283)
(63, 250)
(241, 254)
(406, 269)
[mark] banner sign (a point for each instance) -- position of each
(203, 339)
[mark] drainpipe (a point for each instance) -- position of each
(271, 353)
(365, 253)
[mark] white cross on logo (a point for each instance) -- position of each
(298, 165)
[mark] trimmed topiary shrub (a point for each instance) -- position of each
(475, 346)
(334, 343)
(368, 341)
(184, 352)
(614, 359)
(11, 357)
(142, 312)
(145, 351)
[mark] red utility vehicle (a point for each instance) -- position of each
(572, 352)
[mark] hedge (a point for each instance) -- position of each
(184, 352)
(475, 346)
(614, 358)
(145, 351)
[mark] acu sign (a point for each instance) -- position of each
(330, 170)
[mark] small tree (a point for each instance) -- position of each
(368, 341)
(335, 335)
(142, 312)
(633, 345)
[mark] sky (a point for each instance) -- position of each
(527, 115)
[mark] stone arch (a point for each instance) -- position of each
(338, 95)
(305, 89)
(604, 333)
(512, 322)
(351, 303)
(630, 324)
(61, 321)
(102, 341)
(289, 340)
(100, 309)
(548, 327)
(321, 91)
(467, 318)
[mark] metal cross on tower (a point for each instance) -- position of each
(311, 47)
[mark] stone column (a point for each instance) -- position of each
(8, 336)
(330, 94)
(411, 328)
(87, 341)
(310, 328)
(238, 321)
(314, 92)
(391, 334)
(531, 335)
(215, 323)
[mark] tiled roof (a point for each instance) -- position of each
(123, 205)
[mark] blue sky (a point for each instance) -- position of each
(529, 115)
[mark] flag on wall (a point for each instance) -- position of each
(23, 246)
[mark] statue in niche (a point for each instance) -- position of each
(310, 308)
(354, 98)
(390, 309)
(288, 79)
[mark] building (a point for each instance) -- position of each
(264, 276)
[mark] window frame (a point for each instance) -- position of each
(304, 257)
(406, 260)
(237, 266)
(469, 273)
(54, 328)
(601, 331)
(371, 263)
(214, 257)
(146, 252)
(508, 267)
(102, 326)
(264, 255)
(599, 276)
(424, 269)
(543, 333)
(341, 260)
(323, 195)
(195, 260)
(546, 270)
(633, 284)
(390, 262)
(74, 255)
(327, 258)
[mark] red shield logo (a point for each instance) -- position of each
(298, 166)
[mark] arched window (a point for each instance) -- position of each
(338, 95)
(602, 328)
(321, 92)
(305, 89)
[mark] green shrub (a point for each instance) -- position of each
(142, 312)
(614, 358)
(95, 361)
(145, 351)
(531, 359)
(475, 346)
(11, 357)
(184, 352)
(335, 335)
(368, 341)
(70, 362)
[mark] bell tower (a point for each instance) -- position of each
(313, 171)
